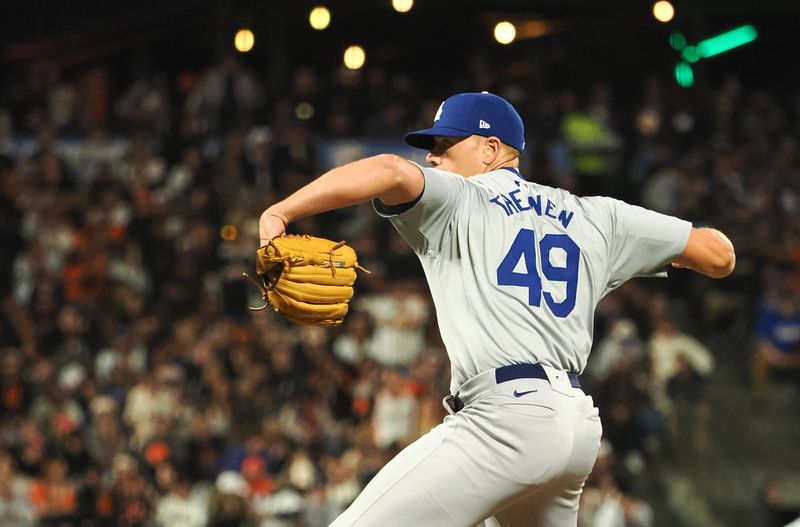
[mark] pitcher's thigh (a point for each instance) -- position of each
(447, 478)
(554, 505)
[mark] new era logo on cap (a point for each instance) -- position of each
(466, 114)
(438, 113)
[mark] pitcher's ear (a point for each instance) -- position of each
(491, 149)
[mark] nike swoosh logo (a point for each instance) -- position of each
(520, 394)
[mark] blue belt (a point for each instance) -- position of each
(503, 374)
(528, 371)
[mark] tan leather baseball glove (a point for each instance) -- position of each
(308, 279)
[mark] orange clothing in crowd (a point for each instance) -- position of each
(53, 500)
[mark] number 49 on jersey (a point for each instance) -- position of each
(524, 246)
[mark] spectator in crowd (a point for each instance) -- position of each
(130, 501)
(680, 364)
(630, 421)
(603, 504)
(396, 411)
(15, 392)
(228, 503)
(778, 332)
(104, 436)
(53, 496)
(400, 315)
(621, 343)
(183, 504)
(150, 399)
(16, 509)
(353, 345)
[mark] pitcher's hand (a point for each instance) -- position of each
(271, 225)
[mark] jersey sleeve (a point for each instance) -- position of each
(426, 221)
(642, 242)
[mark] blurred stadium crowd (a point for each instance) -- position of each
(135, 387)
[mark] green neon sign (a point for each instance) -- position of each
(726, 41)
(684, 75)
(690, 54)
(677, 41)
(710, 47)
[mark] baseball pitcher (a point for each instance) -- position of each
(515, 270)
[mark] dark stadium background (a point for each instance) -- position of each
(614, 40)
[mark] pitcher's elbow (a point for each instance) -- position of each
(724, 263)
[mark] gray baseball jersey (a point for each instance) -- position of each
(516, 269)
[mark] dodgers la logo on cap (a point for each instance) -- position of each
(465, 114)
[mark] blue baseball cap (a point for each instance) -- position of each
(465, 114)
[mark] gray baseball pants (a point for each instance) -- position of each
(517, 454)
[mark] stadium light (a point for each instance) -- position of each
(229, 232)
(304, 111)
(505, 32)
(244, 40)
(354, 57)
(402, 6)
(319, 18)
(663, 11)
(684, 75)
